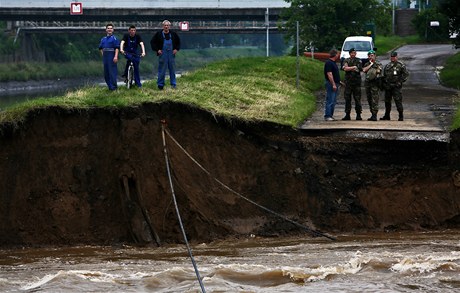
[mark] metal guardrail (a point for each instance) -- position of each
(142, 24)
(193, 26)
(241, 20)
(151, 14)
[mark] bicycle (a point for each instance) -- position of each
(130, 73)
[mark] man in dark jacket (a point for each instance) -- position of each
(128, 46)
(352, 67)
(332, 82)
(166, 43)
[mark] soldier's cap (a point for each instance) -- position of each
(371, 52)
(394, 54)
(351, 50)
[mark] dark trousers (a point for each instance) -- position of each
(355, 91)
(393, 92)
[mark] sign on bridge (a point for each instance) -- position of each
(76, 8)
(184, 25)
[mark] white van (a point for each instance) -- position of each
(362, 45)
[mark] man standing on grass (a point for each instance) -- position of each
(129, 44)
(165, 44)
(332, 82)
(109, 47)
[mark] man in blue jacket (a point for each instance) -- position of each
(165, 44)
(109, 47)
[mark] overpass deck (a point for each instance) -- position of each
(150, 14)
(211, 20)
(209, 27)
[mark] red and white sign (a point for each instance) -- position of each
(76, 8)
(184, 25)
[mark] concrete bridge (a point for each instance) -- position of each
(209, 20)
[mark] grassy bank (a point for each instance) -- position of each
(456, 123)
(256, 88)
(387, 44)
(450, 76)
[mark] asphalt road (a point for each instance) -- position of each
(428, 106)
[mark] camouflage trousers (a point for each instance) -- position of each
(354, 90)
(373, 94)
(393, 92)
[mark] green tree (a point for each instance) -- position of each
(451, 9)
(327, 23)
(66, 48)
(7, 45)
(431, 33)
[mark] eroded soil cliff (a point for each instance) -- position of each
(99, 176)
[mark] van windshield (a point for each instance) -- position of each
(358, 45)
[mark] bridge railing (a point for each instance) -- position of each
(141, 25)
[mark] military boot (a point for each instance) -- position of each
(386, 116)
(358, 116)
(387, 112)
(373, 118)
(401, 116)
(347, 116)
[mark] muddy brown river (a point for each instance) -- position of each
(383, 262)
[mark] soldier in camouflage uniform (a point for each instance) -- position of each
(352, 67)
(395, 74)
(373, 71)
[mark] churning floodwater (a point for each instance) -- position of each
(383, 262)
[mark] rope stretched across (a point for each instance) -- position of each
(177, 211)
(311, 231)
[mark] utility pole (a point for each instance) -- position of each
(297, 59)
(393, 17)
(267, 24)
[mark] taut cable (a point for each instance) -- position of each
(177, 208)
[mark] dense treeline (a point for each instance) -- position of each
(325, 24)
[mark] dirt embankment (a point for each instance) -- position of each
(91, 177)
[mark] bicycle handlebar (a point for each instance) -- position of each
(131, 54)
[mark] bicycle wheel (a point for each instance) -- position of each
(130, 76)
